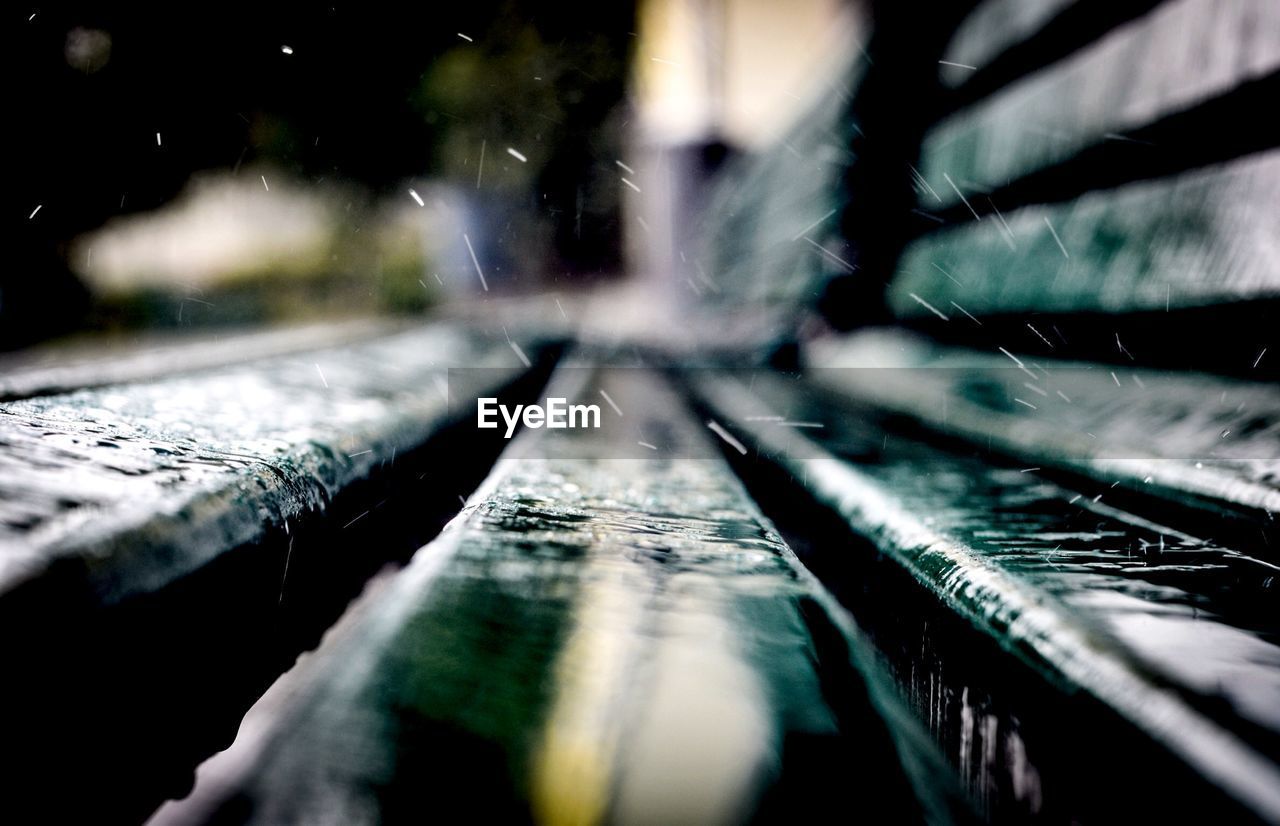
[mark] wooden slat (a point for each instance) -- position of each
(62, 367)
(594, 637)
(991, 29)
(1207, 237)
(1182, 53)
(1191, 438)
(1058, 579)
(1002, 42)
(146, 482)
(167, 547)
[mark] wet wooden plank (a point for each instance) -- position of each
(140, 484)
(1207, 237)
(1189, 438)
(1153, 622)
(99, 361)
(607, 632)
(169, 546)
(1180, 54)
(1002, 42)
(992, 28)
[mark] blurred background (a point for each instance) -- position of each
(206, 166)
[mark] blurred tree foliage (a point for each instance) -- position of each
(550, 88)
(370, 92)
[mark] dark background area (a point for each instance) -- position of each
(372, 93)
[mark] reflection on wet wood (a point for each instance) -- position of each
(1172, 632)
(594, 638)
(169, 546)
(1202, 440)
(146, 482)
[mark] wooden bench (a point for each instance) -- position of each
(1006, 551)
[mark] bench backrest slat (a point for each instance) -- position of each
(1204, 237)
(1183, 53)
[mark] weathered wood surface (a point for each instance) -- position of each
(148, 540)
(143, 483)
(170, 545)
(1170, 630)
(1180, 54)
(1188, 437)
(1206, 237)
(595, 637)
